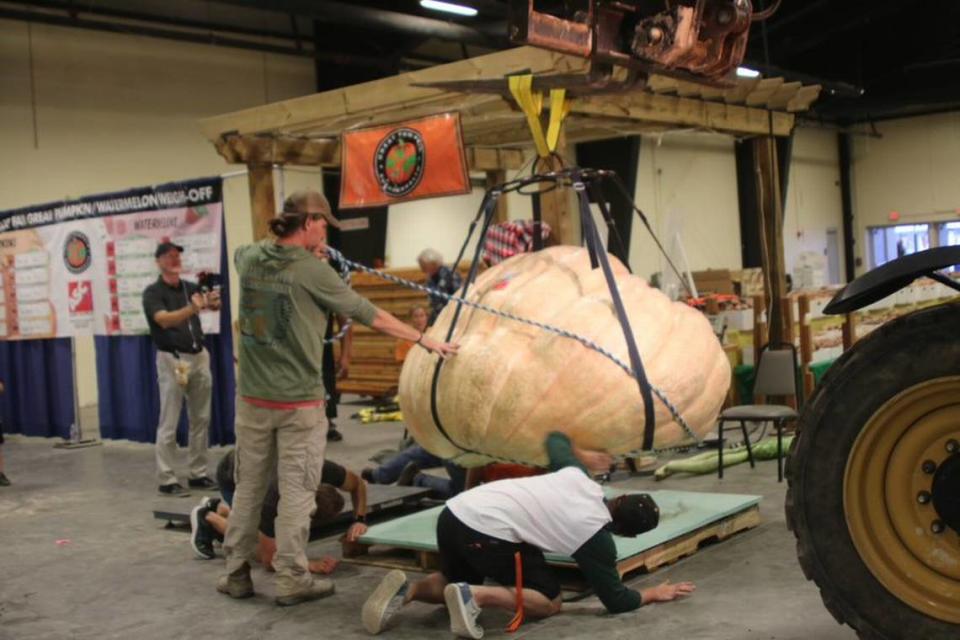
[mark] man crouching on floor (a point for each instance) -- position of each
(487, 531)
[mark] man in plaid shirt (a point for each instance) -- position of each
(439, 277)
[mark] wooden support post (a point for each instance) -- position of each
(496, 177)
(262, 203)
(806, 345)
(786, 309)
(771, 230)
(559, 206)
(759, 326)
(849, 330)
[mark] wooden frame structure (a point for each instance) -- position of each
(306, 130)
(752, 107)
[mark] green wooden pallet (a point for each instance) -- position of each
(688, 520)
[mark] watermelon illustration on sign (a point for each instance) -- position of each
(195, 214)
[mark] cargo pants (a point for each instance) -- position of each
(291, 441)
(197, 391)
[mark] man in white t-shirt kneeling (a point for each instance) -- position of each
(494, 529)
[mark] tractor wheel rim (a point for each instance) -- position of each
(889, 501)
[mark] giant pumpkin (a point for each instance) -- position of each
(511, 383)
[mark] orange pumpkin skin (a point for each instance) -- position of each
(511, 384)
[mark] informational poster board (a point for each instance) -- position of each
(395, 163)
(79, 267)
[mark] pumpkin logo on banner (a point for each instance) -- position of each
(76, 252)
(399, 162)
(404, 161)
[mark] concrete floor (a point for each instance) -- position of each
(81, 557)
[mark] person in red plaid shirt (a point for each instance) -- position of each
(507, 239)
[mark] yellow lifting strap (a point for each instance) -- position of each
(531, 103)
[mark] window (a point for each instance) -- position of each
(889, 243)
(949, 235)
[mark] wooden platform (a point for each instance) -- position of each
(689, 521)
(381, 499)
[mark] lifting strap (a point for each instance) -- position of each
(531, 103)
(598, 256)
(487, 211)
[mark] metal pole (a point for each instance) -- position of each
(76, 440)
(76, 429)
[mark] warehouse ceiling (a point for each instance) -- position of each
(876, 58)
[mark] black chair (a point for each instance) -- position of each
(776, 376)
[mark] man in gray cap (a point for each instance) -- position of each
(172, 306)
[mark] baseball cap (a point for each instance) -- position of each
(166, 246)
(636, 513)
(325, 214)
(331, 219)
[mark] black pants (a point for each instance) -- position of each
(466, 555)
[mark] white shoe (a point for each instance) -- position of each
(385, 601)
(463, 611)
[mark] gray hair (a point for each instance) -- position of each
(430, 256)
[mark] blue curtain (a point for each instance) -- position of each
(127, 381)
(38, 375)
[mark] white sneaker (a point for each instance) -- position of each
(385, 601)
(463, 611)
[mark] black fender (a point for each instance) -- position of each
(893, 276)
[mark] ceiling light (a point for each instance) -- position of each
(448, 7)
(747, 72)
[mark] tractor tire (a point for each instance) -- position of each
(871, 440)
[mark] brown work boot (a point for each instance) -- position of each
(316, 589)
(237, 584)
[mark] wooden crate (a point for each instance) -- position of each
(374, 370)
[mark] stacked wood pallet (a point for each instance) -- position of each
(374, 370)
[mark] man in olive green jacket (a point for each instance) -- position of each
(286, 298)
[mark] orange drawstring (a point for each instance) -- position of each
(518, 616)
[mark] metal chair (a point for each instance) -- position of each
(776, 376)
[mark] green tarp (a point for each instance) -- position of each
(681, 512)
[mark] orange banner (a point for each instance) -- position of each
(399, 162)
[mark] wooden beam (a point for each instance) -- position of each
(268, 149)
(804, 97)
(689, 89)
(468, 106)
(262, 202)
(493, 179)
(489, 159)
(558, 206)
(396, 93)
(739, 93)
(849, 330)
(662, 84)
(685, 112)
(782, 96)
(771, 227)
(806, 344)
(763, 91)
